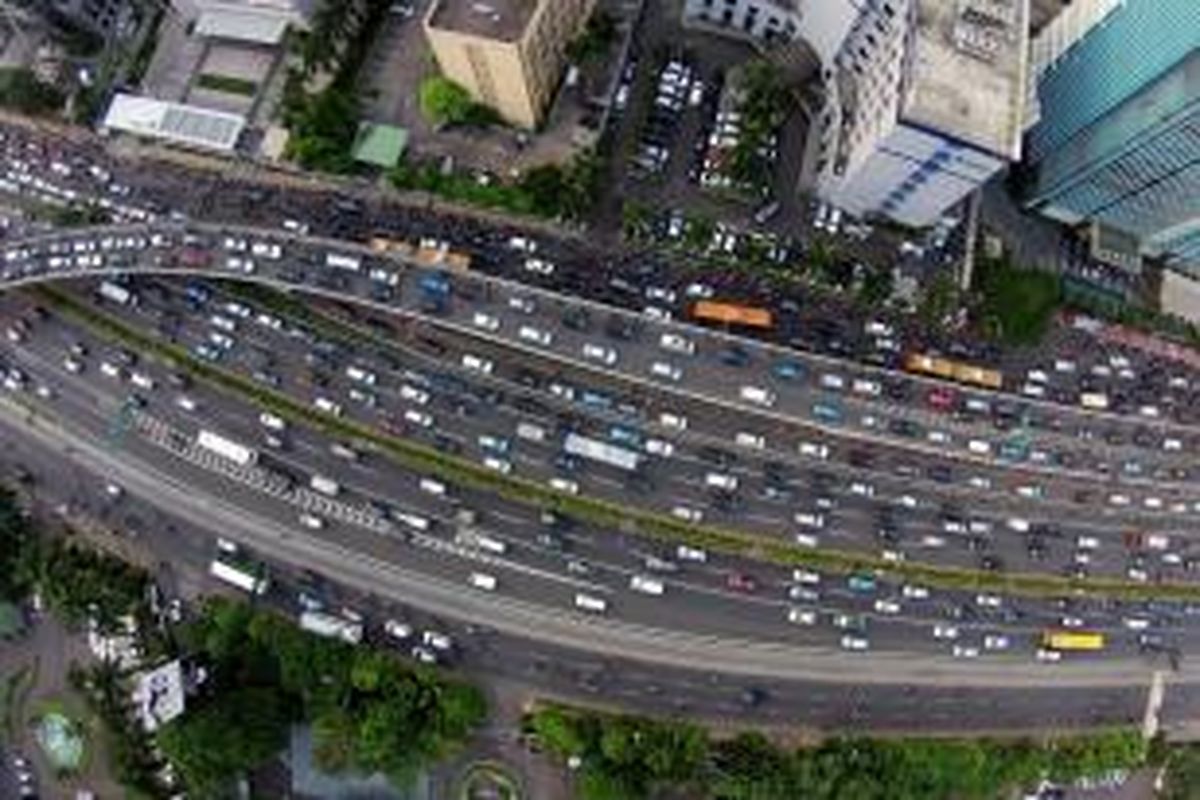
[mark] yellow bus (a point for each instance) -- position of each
(1072, 640)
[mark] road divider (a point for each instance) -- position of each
(431, 462)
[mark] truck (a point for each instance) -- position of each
(332, 626)
(343, 261)
(326, 486)
(604, 452)
(247, 576)
(117, 293)
(226, 448)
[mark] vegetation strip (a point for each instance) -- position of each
(632, 758)
(227, 83)
(429, 460)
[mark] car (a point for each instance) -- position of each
(525, 305)
(477, 364)
(677, 344)
(600, 353)
(537, 336)
(503, 466)
(741, 582)
(996, 641)
(886, 606)
(912, 591)
(1047, 655)
(564, 485)
(801, 616)
(666, 370)
(660, 447)
(539, 266)
(964, 651)
(855, 643)
(312, 522)
(397, 630)
(485, 322)
(753, 441)
(687, 514)
(673, 421)
(944, 631)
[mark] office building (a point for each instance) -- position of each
(924, 104)
(509, 54)
(1114, 136)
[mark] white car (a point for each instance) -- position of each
(885, 606)
(667, 370)
(414, 394)
(753, 441)
(944, 631)
(996, 641)
(503, 466)
(677, 344)
(855, 643)
(600, 353)
(539, 266)
(912, 591)
(660, 447)
(537, 336)
(802, 616)
(418, 418)
(965, 651)
(1048, 655)
(477, 364)
(564, 485)
(313, 522)
(485, 322)
(688, 514)
(674, 421)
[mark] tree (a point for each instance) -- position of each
(21, 90)
(444, 102)
(229, 735)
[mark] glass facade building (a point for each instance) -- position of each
(1118, 139)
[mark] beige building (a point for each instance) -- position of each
(509, 54)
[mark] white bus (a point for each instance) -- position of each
(247, 577)
(606, 453)
(226, 448)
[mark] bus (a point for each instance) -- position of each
(226, 448)
(596, 450)
(1072, 640)
(733, 314)
(247, 576)
(949, 369)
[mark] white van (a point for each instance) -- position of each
(597, 605)
(269, 420)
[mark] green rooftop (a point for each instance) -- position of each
(379, 145)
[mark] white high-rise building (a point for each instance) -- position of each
(925, 103)
(822, 24)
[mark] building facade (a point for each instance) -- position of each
(1116, 136)
(103, 18)
(509, 54)
(924, 104)
(822, 24)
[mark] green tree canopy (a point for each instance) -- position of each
(226, 736)
(444, 102)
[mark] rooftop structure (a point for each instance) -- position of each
(159, 695)
(509, 54)
(967, 77)
(502, 20)
(191, 126)
(924, 105)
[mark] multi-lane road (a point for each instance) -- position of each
(801, 447)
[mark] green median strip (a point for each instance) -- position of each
(604, 513)
(227, 83)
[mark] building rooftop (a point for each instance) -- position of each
(183, 124)
(504, 20)
(968, 71)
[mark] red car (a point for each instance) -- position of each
(942, 399)
(741, 582)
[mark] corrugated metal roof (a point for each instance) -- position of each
(264, 26)
(183, 124)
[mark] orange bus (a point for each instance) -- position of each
(733, 314)
(1072, 640)
(953, 370)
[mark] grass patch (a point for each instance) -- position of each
(227, 84)
(1017, 304)
(605, 513)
